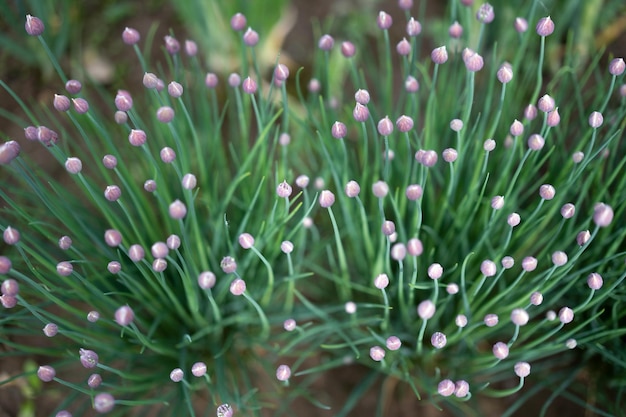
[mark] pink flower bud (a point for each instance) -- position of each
(61, 103)
(348, 49)
(380, 189)
(80, 105)
(536, 298)
(352, 189)
(238, 22)
(46, 373)
(547, 192)
(491, 320)
(594, 281)
(505, 73)
(488, 268)
(338, 130)
(404, 123)
(403, 47)
(414, 247)
(124, 316)
(385, 126)
(519, 317)
(517, 128)
(617, 66)
(238, 286)
(536, 142)
(384, 21)
(327, 199)
(554, 118)
(381, 281)
(137, 137)
(546, 103)
(9, 151)
(326, 43)
(566, 315)
(455, 30)
(165, 114)
(446, 388)
(249, 86)
(11, 236)
(583, 237)
(251, 37)
(177, 210)
(500, 350)
(439, 55)
(377, 353)
(438, 340)
(435, 271)
(411, 85)
(602, 215)
(529, 264)
(34, 26)
(426, 309)
(545, 26)
(485, 13)
(413, 27)
(449, 155)
(283, 372)
(595, 119)
(520, 24)
(130, 36)
(522, 369)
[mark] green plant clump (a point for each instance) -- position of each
(451, 219)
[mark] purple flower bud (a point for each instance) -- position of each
(522, 369)
(491, 320)
(9, 286)
(234, 80)
(577, 157)
(165, 114)
(596, 119)
(238, 286)
(281, 72)
(113, 238)
(452, 288)
(520, 24)
(413, 27)
(427, 158)
(326, 43)
(159, 250)
(513, 219)
(438, 340)
(93, 316)
(174, 89)
(31, 133)
(485, 13)
(189, 181)
(191, 48)
(439, 55)
(381, 281)
(404, 123)
(114, 267)
(123, 100)
(177, 210)
(426, 309)
(94, 381)
(130, 36)
(393, 343)
(46, 373)
(112, 193)
(362, 97)
(124, 316)
(246, 240)
(583, 237)
(554, 118)
(411, 85)
(228, 265)
(302, 181)
(519, 317)
(327, 199)
(505, 73)
(206, 280)
(536, 298)
(286, 246)
(489, 145)
(545, 27)
(377, 353)
(546, 103)
(88, 358)
(617, 66)
(405, 4)
(536, 142)
(594, 281)
(61, 103)
(559, 258)
(449, 155)
(398, 252)
(120, 117)
(249, 86)
(385, 126)
(507, 262)
(224, 410)
(177, 375)
(9, 151)
(73, 86)
(5, 267)
(109, 161)
(50, 330)
(547, 192)
(11, 236)
(446, 388)
(137, 137)
(198, 369)
(136, 252)
(167, 155)
(80, 105)
(65, 268)
(352, 189)
(461, 389)
(338, 130)
(238, 22)
(289, 325)
(348, 49)
(473, 61)
(435, 271)
(529, 264)
(497, 202)
(8, 301)
(602, 215)
(250, 37)
(530, 112)
(500, 350)
(103, 402)
(283, 190)
(380, 189)
(34, 26)
(384, 21)
(566, 315)
(550, 315)
(283, 372)
(172, 46)
(460, 320)
(403, 47)
(488, 268)
(517, 128)
(455, 30)
(414, 247)
(414, 192)
(360, 113)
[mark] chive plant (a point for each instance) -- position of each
(462, 233)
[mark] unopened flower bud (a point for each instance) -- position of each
(520, 24)
(485, 13)
(545, 27)
(522, 369)
(617, 66)
(594, 281)
(411, 85)
(547, 192)
(529, 264)
(112, 193)
(238, 286)
(438, 340)
(559, 258)
(413, 27)
(566, 315)
(326, 43)
(439, 55)
(327, 199)
(507, 262)
(517, 128)
(596, 119)
(404, 123)
(602, 215)
(583, 237)
(124, 316)
(177, 210)
(414, 247)
(554, 118)
(546, 103)
(103, 402)
(455, 30)
(377, 353)
(384, 21)
(500, 350)
(165, 114)
(65, 268)
(426, 309)
(11, 236)
(519, 317)
(403, 47)
(228, 265)
(80, 105)
(137, 137)
(46, 373)
(88, 358)
(136, 253)
(536, 298)
(61, 103)
(9, 151)
(94, 381)
(536, 142)
(50, 330)
(130, 36)
(34, 26)
(446, 388)
(191, 48)
(348, 49)
(491, 320)
(177, 375)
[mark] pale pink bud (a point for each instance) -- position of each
(435, 271)
(50, 330)
(529, 264)
(596, 119)
(137, 137)
(426, 309)
(413, 27)
(286, 246)
(238, 22)
(388, 228)
(404, 123)
(547, 192)
(73, 165)
(522, 369)
(228, 265)
(530, 112)
(11, 236)
(519, 317)
(414, 247)
(414, 192)
(326, 43)
(403, 47)
(455, 30)
(545, 26)
(198, 369)
(206, 280)
(446, 388)
(536, 298)
(500, 350)
(211, 80)
(602, 215)
(124, 316)
(189, 181)
(9, 151)
(513, 219)
(150, 186)
(488, 268)
(568, 210)
(348, 49)
(452, 288)
(177, 375)
(46, 373)
(497, 202)
(281, 72)
(338, 130)
(377, 353)
(411, 85)
(327, 199)
(234, 80)
(439, 55)
(517, 128)
(289, 325)
(520, 24)
(617, 66)
(165, 114)
(384, 21)
(438, 340)
(80, 105)
(381, 281)
(177, 210)
(172, 46)
(34, 26)
(594, 281)
(507, 262)
(546, 103)
(449, 155)
(559, 258)
(380, 189)
(249, 86)
(302, 181)
(109, 161)
(536, 142)
(583, 237)
(485, 13)
(505, 73)
(554, 118)
(246, 240)
(283, 372)
(491, 320)
(61, 103)
(385, 126)
(398, 251)
(238, 286)
(460, 320)
(130, 36)
(566, 315)
(112, 193)
(64, 268)
(473, 61)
